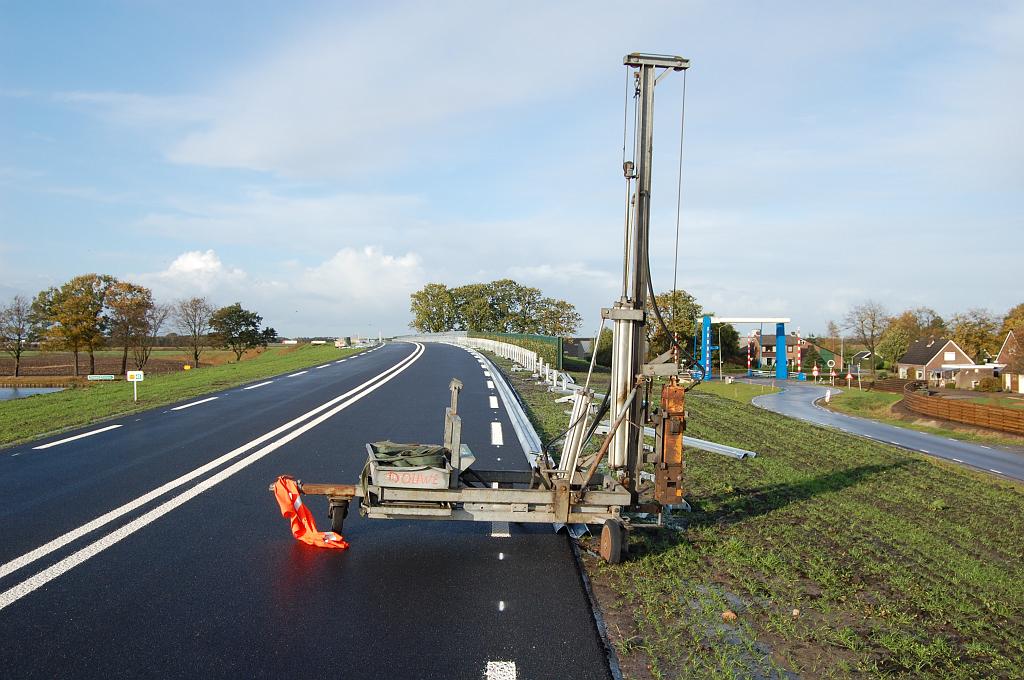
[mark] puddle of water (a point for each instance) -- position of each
(7, 393)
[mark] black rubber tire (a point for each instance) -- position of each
(613, 540)
(338, 515)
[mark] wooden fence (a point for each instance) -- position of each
(889, 385)
(992, 417)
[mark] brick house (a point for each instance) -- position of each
(1011, 349)
(933, 359)
(765, 345)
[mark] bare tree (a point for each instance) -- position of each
(145, 341)
(192, 318)
(16, 330)
(867, 322)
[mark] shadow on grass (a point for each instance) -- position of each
(740, 504)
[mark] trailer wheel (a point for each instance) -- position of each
(613, 540)
(338, 514)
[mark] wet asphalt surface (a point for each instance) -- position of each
(797, 401)
(217, 587)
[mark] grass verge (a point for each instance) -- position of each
(839, 557)
(31, 417)
(879, 406)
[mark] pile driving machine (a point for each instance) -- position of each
(440, 482)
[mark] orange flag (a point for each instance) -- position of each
(286, 491)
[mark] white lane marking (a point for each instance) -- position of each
(950, 439)
(499, 459)
(487, 373)
(496, 439)
(499, 530)
(957, 460)
(493, 401)
(500, 670)
(926, 451)
(490, 385)
(42, 578)
(995, 471)
(299, 373)
(501, 605)
(194, 403)
(985, 447)
(77, 436)
(252, 387)
(501, 556)
(75, 534)
(324, 366)
(340, 361)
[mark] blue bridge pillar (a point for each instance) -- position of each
(781, 368)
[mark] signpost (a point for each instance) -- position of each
(832, 371)
(815, 372)
(94, 376)
(135, 377)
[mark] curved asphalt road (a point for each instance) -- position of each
(797, 401)
(201, 578)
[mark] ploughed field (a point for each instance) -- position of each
(107, 362)
(838, 556)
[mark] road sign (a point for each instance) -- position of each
(831, 363)
(814, 372)
(135, 377)
(93, 376)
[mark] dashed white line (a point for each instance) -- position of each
(194, 403)
(340, 361)
(926, 451)
(995, 471)
(324, 366)
(985, 447)
(501, 556)
(490, 384)
(957, 460)
(499, 530)
(501, 605)
(252, 387)
(500, 670)
(299, 373)
(496, 438)
(77, 436)
(487, 373)
(493, 401)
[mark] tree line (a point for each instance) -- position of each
(977, 331)
(94, 311)
(502, 306)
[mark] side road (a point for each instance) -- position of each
(797, 401)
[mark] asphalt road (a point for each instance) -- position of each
(155, 549)
(797, 401)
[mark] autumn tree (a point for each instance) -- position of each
(191, 316)
(16, 329)
(129, 306)
(866, 322)
(977, 332)
(1014, 319)
(239, 329)
(72, 317)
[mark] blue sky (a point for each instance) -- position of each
(320, 161)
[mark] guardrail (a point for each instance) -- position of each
(993, 417)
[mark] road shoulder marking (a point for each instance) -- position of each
(252, 387)
(194, 403)
(77, 436)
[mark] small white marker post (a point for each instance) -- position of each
(135, 377)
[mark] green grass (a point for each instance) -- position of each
(1005, 402)
(878, 406)
(900, 566)
(30, 417)
(737, 391)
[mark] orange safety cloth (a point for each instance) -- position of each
(286, 491)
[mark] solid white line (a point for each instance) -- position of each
(77, 436)
(42, 578)
(499, 530)
(500, 670)
(299, 373)
(252, 387)
(194, 403)
(496, 439)
(75, 534)
(490, 384)
(995, 471)
(493, 401)
(324, 366)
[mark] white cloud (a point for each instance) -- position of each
(342, 294)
